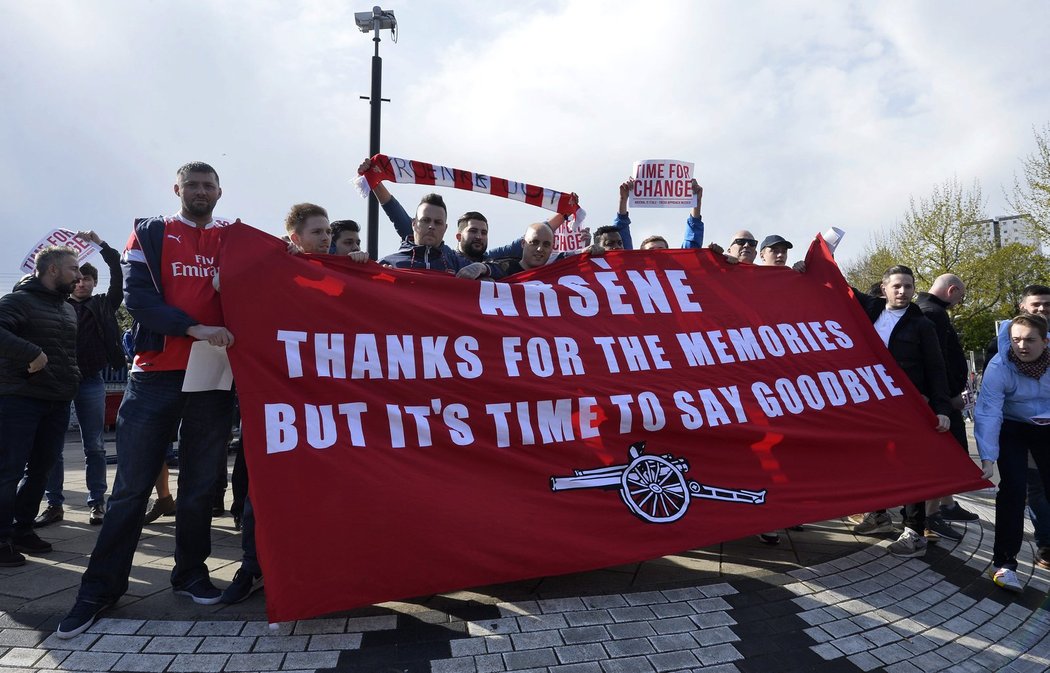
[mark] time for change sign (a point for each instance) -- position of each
(64, 237)
(662, 183)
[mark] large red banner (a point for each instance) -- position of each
(410, 433)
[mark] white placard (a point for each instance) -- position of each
(60, 237)
(568, 237)
(207, 369)
(833, 237)
(662, 183)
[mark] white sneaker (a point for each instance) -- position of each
(909, 545)
(1005, 578)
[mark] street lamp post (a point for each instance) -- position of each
(373, 22)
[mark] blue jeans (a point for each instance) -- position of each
(32, 433)
(1015, 441)
(1038, 508)
(147, 419)
(90, 404)
(250, 558)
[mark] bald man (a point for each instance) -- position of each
(537, 245)
(948, 291)
(743, 246)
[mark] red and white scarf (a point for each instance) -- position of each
(405, 171)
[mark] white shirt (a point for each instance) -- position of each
(887, 321)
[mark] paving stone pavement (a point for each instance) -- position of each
(822, 600)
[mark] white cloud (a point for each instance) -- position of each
(798, 116)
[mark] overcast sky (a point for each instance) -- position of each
(798, 116)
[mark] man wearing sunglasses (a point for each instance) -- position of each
(744, 247)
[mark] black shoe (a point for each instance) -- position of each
(30, 543)
(9, 558)
(769, 538)
(937, 527)
(957, 513)
(80, 618)
(244, 584)
(218, 510)
(1042, 558)
(98, 512)
(51, 514)
(203, 592)
(161, 507)
(236, 522)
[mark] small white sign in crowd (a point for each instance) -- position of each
(60, 237)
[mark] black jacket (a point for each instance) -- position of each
(34, 319)
(955, 365)
(914, 345)
(103, 309)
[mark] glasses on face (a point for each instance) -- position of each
(742, 242)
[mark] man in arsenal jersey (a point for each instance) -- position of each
(168, 265)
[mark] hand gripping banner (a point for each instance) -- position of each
(595, 412)
(405, 171)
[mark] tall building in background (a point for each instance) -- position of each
(1008, 229)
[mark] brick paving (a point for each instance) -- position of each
(823, 600)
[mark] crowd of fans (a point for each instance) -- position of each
(56, 336)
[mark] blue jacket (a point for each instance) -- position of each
(622, 222)
(694, 232)
(1006, 393)
(438, 258)
(143, 295)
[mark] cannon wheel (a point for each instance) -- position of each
(654, 489)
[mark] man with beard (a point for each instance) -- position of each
(169, 265)
(426, 249)
(38, 379)
(98, 345)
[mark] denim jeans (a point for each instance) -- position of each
(1038, 508)
(1015, 441)
(90, 404)
(32, 433)
(152, 408)
(239, 483)
(250, 557)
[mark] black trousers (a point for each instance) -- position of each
(1016, 440)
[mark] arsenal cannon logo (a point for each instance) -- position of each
(654, 488)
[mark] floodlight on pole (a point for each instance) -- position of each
(373, 22)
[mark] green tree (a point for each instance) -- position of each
(943, 233)
(123, 318)
(868, 270)
(1031, 193)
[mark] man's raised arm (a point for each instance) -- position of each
(622, 221)
(694, 224)
(395, 212)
